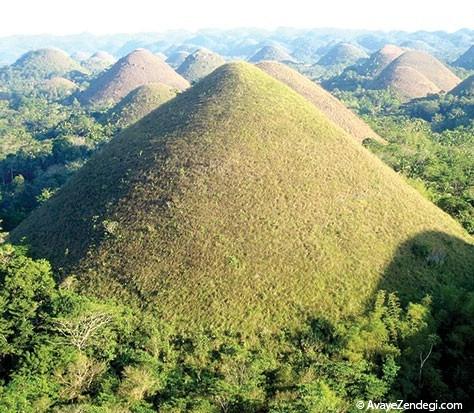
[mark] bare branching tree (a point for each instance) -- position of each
(79, 331)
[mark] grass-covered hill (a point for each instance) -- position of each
(175, 59)
(45, 63)
(416, 74)
(333, 108)
(342, 54)
(139, 103)
(271, 52)
(379, 60)
(406, 82)
(98, 62)
(137, 68)
(465, 88)
(58, 87)
(239, 204)
(466, 60)
(199, 64)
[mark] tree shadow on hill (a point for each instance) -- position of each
(436, 271)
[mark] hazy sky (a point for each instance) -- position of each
(126, 16)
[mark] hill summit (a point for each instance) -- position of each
(379, 60)
(271, 52)
(466, 60)
(45, 63)
(333, 108)
(137, 68)
(342, 54)
(199, 64)
(416, 74)
(238, 204)
(99, 61)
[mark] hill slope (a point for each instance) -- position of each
(342, 54)
(199, 64)
(44, 63)
(323, 100)
(416, 74)
(466, 60)
(137, 68)
(466, 87)
(139, 103)
(238, 204)
(278, 54)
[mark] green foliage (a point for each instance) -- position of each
(61, 351)
(443, 111)
(43, 143)
(442, 162)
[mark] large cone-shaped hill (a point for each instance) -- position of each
(271, 52)
(342, 54)
(137, 68)
(333, 108)
(379, 60)
(238, 204)
(416, 74)
(45, 63)
(139, 103)
(465, 88)
(466, 60)
(199, 64)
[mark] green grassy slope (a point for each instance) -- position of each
(323, 100)
(139, 103)
(238, 204)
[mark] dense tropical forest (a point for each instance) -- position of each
(182, 233)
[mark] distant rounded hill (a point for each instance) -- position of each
(418, 45)
(58, 87)
(99, 61)
(139, 103)
(416, 74)
(379, 60)
(342, 54)
(175, 59)
(238, 205)
(137, 68)
(466, 60)
(333, 108)
(45, 63)
(199, 64)
(271, 52)
(465, 88)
